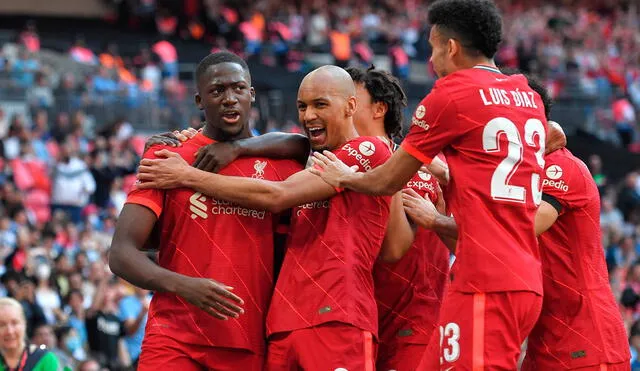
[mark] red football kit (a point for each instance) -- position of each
(491, 129)
(326, 285)
(409, 292)
(580, 324)
(204, 237)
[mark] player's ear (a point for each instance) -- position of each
(351, 106)
(253, 94)
(198, 101)
(380, 109)
(453, 47)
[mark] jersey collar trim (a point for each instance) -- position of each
(487, 68)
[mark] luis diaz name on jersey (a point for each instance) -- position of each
(201, 206)
(365, 149)
(553, 178)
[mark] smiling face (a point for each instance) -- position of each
(225, 95)
(12, 327)
(325, 108)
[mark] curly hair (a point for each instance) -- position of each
(383, 87)
(220, 57)
(537, 86)
(477, 24)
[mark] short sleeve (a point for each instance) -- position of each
(153, 199)
(563, 181)
(433, 126)
(364, 152)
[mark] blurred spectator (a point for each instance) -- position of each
(72, 183)
(24, 69)
(46, 297)
(629, 198)
(32, 310)
(624, 117)
(45, 335)
(29, 37)
(40, 95)
(133, 310)
(81, 54)
(104, 328)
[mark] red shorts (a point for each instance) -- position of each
(481, 331)
(399, 356)
(329, 346)
(160, 351)
(624, 366)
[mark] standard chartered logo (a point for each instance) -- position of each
(197, 206)
(201, 206)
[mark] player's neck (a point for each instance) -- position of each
(374, 129)
(348, 134)
(482, 61)
(219, 135)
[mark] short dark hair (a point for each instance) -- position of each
(477, 24)
(537, 86)
(222, 56)
(383, 87)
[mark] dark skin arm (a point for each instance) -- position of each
(127, 260)
(300, 188)
(216, 156)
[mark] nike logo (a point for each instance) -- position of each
(450, 368)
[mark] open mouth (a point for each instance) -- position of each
(316, 132)
(231, 117)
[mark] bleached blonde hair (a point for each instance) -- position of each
(10, 302)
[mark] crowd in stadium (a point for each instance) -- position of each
(65, 176)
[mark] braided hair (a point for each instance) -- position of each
(383, 87)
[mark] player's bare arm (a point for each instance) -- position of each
(546, 215)
(127, 260)
(400, 233)
(385, 179)
(171, 171)
(439, 169)
(426, 215)
(216, 156)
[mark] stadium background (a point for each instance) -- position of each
(84, 82)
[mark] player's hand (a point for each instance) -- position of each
(556, 138)
(330, 168)
(440, 204)
(166, 172)
(421, 210)
(170, 138)
(211, 296)
(216, 156)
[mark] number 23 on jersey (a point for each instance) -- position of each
(501, 189)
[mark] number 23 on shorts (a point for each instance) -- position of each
(449, 345)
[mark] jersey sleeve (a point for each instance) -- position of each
(152, 199)
(563, 181)
(364, 152)
(433, 126)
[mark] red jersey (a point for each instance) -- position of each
(491, 128)
(409, 292)
(580, 324)
(204, 237)
(327, 271)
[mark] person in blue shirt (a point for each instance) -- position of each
(133, 312)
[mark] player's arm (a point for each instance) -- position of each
(173, 172)
(127, 260)
(216, 156)
(440, 170)
(425, 214)
(547, 214)
(400, 233)
(434, 126)
(386, 179)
